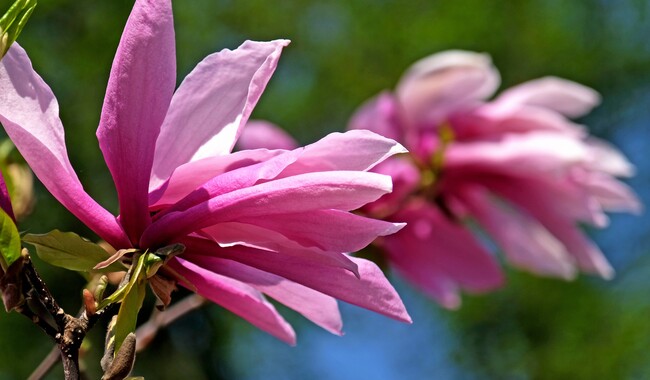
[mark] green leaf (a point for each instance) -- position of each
(70, 251)
(13, 21)
(134, 292)
(9, 241)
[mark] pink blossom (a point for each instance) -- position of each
(255, 222)
(515, 168)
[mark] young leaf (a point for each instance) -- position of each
(134, 292)
(13, 21)
(70, 251)
(9, 241)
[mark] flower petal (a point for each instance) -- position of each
(379, 115)
(560, 95)
(437, 85)
(5, 199)
(213, 103)
(329, 230)
(371, 291)
(259, 134)
(315, 306)
(235, 296)
(29, 113)
(612, 194)
(191, 175)
(235, 233)
(526, 243)
(343, 190)
(353, 150)
(139, 90)
(430, 240)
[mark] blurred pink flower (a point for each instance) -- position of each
(514, 167)
(255, 222)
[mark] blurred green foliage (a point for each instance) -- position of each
(342, 53)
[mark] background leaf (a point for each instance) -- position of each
(70, 251)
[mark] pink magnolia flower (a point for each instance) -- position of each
(255, 222)
(515, 168)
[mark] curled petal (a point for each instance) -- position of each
(213, 103)
(29, 113)
(237, 297)
(437, 85)
(353, 150)
(139, 90)
(560, 95)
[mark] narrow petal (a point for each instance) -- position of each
(5, 200)
(29, 113)
(213, 103)
(557, 215)
(353, 150)
(371, 291)
(329, 230)
(236, 179)
(430, 240)
(608, 159)
(235, 233)
(261, 134)
(532, 154)
(237, 297)
(437, 85)
(139, 90)
(568, 98)
(612, 194)
(315, 306)
(190, 176)
(302, 193)
(526, 243)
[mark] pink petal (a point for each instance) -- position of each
(379, 115)
(317, 307)
(608, 159)
(431, 242)
(302, 193)
(329, 230)
(235, 233)
(237, 297)
(30, 115)
(441, 83)
(353, 150)
(139, 90)
(5, 199)
(491, 121)
(371, 291)
(213, 103)
(556, 94)
(558, 215)
(190, 176)
(612, 194)
(236, 179)
(406, 179)
(526, 243)
(531, 154)
(261, 134)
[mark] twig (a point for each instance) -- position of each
(147, 331)
(46, 365)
